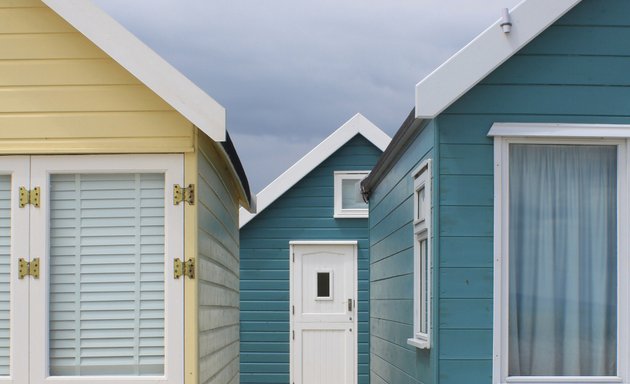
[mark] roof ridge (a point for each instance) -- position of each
(358, 124)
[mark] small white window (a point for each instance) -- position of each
(324, 285)
(348, 199)
(422, 257)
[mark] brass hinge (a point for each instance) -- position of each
(181, 194)
(184, 268)
(29, 197)
(26, 268)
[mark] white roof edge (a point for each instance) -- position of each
(358, 124)
(485, 53)
(162, 78)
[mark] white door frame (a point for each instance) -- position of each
(355, 319)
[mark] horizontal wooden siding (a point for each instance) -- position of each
(574, 72)
(218, 269)
(59, 93)
(393, 361)
(305, 212)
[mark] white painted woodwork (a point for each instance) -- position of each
(29, 318)
(142, 62)
(357, 125)
(501, 243)
(484, 54)
(17, 169)
(324, 341)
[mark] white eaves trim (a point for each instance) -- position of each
(358, 124)
(560, 130)
(142, 62)
(485, 53)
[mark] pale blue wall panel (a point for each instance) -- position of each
(391, 276)
(218, 259)
(465, 313)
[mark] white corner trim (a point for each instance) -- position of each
(485, 53)
(560, 130)
(358, 124)
(142, 62)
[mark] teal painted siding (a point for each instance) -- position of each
(305, 212)
(574, 72)
(218, 275)
(393, 361)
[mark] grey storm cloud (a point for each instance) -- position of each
(289, 72)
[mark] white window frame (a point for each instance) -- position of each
(331, 279)
(171, 166)
(422, 260)
(348, 213)
(584, 134)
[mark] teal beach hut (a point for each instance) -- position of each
(499, 213)
(304, 266)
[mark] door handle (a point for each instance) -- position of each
(349, 305)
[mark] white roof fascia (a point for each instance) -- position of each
(484, 54)
(358, 124)
(146, 65)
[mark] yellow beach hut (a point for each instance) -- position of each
(119, 199)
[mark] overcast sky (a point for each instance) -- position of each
(290, 72)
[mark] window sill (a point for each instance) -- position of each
(563, 379)
(359, 215)
(418, 343)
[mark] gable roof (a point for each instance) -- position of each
(146, 65)
(485, 53)
(467, 68)
(357, 125)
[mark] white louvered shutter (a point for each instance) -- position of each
(113, 307)
(106, 274)
(5, 272)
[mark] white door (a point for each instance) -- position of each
(104, 307)
(323, 312)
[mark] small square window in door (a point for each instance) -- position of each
(324, 285)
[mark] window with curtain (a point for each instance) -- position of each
(563, 257)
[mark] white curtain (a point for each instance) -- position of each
(563, 260)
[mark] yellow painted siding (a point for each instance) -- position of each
(218, 263)
(59, 93)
